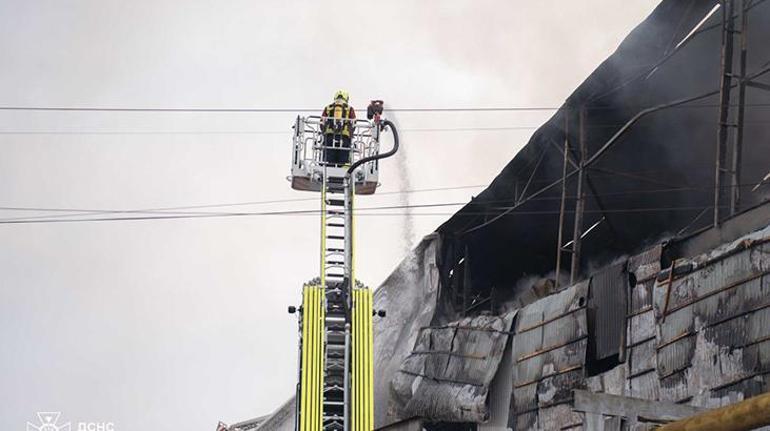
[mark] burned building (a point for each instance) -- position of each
(615, 273)
(655, 336)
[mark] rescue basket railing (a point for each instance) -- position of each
(311, 149)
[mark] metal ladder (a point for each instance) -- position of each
(336, 373)
(335, 280)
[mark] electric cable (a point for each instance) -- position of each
(246, 132)
(499, 210)
(174, 209)
(316, 212)
(296, 110)
(264, 110)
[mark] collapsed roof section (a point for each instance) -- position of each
(649, 118)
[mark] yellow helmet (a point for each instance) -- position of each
(341, 94)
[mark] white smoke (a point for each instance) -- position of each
(404, 185)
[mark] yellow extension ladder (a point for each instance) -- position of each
(336, 349)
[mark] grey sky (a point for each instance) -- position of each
(177, 324)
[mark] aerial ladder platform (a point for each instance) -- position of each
(336, 373)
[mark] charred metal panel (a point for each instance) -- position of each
(500, 392)
(644, 385)
(674, 388)
(549, 353)
(607, 311)
(642, 379)
(644, 267)
(676, 356)
(559, 417)
(642, 359)
(714, 324)
(641, 328)
(447, 376)
(631, 408)
(410, 297)
(612, 381)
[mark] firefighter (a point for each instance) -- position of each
(338, 123)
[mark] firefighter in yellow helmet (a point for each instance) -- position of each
(338, 123)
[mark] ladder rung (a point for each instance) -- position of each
(333, 388)
(335, 202)
(335, 225)
(335, 250)
(335, 237)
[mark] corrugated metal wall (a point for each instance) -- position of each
(700, 336)
(548, 359)
(713, 341)
(447, 375)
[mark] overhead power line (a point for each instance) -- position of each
(173, 209)
(266, 110)
(288, 131)
(486, 208)
(315, 212)
(317, 110)
(184, 210)
(244, 132)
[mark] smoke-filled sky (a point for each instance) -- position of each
(176, 324)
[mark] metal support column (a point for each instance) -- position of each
(724, 106)
(466, 281)
(560, 236)
(735, 171)
(577, 232)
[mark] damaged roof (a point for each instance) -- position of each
(655, 179)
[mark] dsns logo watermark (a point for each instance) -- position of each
(49, 421)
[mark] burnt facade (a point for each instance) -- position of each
(695, 331)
